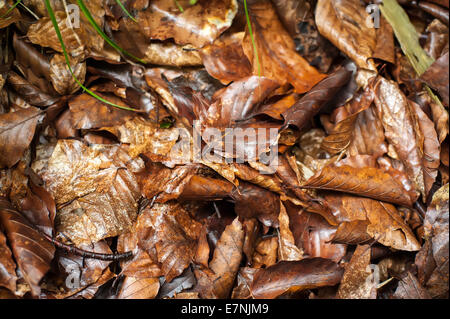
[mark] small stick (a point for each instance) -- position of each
(87, 254)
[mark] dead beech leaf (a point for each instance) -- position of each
(431, 148)
(169, 235)
(217, 281)
(410, 288)
(436, 230)
(198, 25)
(170, 54)
(285, 276)
(368, 135)
(76, 40)
(88, 271)
(19, 127)
(140, 265)
(244, 279)
(433, 77)
(357, 282)
(381, 221)
(225, 59)
(62, 80)
(145, 136)
(313, 234)
(139, 288)
(287, 250)
(369, 182)
(346, 24)
(31, 250)
(87, 112)
(440, 119)
(265, 254)
(94, 188)
(276, 50)
(8, 276)
(401, 129)
(312, 102)
(344, 118)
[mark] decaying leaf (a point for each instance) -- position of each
(277, 58)
(96, 198)
(291, 276)
(357, 282)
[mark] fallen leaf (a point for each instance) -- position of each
(277, 58)
(349, 27)
(31, 250)
(82, 179)
(357, 281)
(285, 276)
(19, 127)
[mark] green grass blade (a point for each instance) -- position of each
(125, 10)
(99, 30)
(66, 56)
(406, 35)
(179, 6)
(255, 49)
(11, 9)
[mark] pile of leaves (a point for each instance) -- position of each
(97, 95)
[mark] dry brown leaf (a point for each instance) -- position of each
(217, 281)
(169, 235)
(357, 282)
(277, 58)
(348, 26)
(94, 188)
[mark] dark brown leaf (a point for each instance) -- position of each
(31, 250)
(277, 58)
(291, 276)
(16, 133)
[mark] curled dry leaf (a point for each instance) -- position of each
(357, 282)
(313, 234)
(433, 77)
(169, 235)
(225, 59)
(312, 102)
(381, 221)
(292, 276)
(82, 179)
(31, 250)
(277, 58)
(217, 281)
(437, 230)
(349, 27)
(401, 129)
(8, 276)
(431, 148)
(265, 253)
(341, 134)
(287, 250)
(29, 92)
